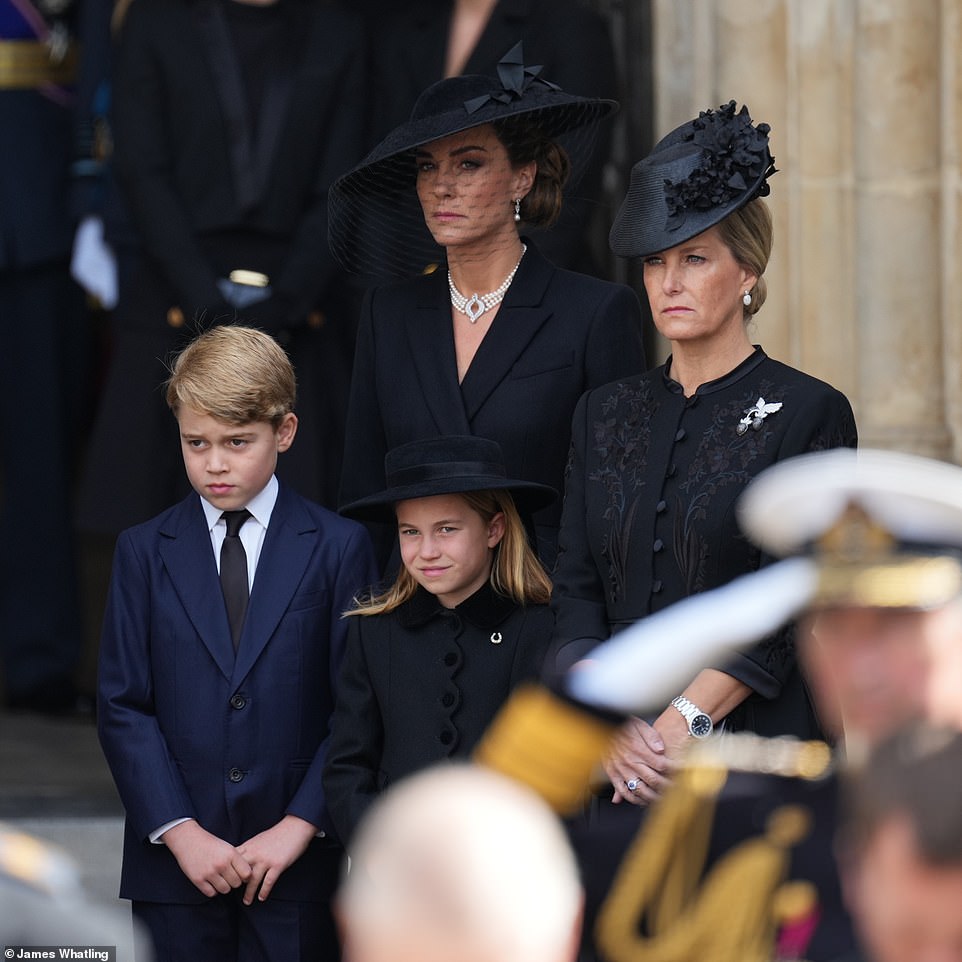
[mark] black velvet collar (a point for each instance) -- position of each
(485, 608)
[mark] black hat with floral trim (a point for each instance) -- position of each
(693, 179)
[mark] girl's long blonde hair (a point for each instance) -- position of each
(516, 571)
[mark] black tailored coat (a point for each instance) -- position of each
(571, 41)
(649, 512)
(212, 184)
(420, 685)
(204, 184)
(556, 335)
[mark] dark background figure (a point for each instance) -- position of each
(415, 44)
(42, 361)
(229, 120)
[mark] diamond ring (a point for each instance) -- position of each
(632, 784)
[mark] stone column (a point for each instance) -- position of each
(898, 225)
(951, 275)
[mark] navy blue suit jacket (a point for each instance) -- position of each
(190, 730)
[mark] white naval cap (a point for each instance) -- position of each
(792, 504)
(884, 528)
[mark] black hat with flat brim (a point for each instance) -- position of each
(373, 212)
(452, 464)
(692, 180)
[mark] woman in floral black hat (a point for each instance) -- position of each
(659, 460)
(492, 339)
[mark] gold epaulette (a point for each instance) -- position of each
(546, 743)
(28, 64)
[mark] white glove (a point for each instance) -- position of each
(92, 263)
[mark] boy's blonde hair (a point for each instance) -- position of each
(516, 571)
(236, 374)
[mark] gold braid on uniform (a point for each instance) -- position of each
(662, 906)
(548, 744)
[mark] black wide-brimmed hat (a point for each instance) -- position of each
(375, 220)
(693, 179)
(452, 464)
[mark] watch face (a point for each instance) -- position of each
(701, 726)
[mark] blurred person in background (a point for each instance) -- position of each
(229, 121)
(458, 862)
(43, 361)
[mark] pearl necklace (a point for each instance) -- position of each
(477, 304)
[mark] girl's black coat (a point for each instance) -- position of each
(420, 685)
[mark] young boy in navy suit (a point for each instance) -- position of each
(213, 708)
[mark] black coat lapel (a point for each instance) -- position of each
(431, 340)
(251, 153)
(229, 86)
(276, 101)
(523, 311)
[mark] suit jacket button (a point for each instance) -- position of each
(238, 702)
(658, 545)
(235, 775)
(446, 738)
(451, 659)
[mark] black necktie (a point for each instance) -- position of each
(233, 572)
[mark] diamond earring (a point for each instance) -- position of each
(517, 210)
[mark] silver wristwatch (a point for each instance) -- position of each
(699, 724)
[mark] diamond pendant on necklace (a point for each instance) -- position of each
(477, 304)
(474, 308)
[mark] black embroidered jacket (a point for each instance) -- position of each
(649, 514)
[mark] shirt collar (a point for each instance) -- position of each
(261, 506)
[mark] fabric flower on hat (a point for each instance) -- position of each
(734, 155)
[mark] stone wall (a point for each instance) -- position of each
(864, 98)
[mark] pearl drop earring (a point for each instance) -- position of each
(517, 210)
(747, 298)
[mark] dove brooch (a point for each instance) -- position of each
(756, 414)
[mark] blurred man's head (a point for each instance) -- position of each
(459, 863)
(900, 847)
(884, 531)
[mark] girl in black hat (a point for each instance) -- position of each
(660, 460)
(430, 659)
(492, 340)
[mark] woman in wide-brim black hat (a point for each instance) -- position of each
(431, 658)
(659, 460)
(496, 341)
